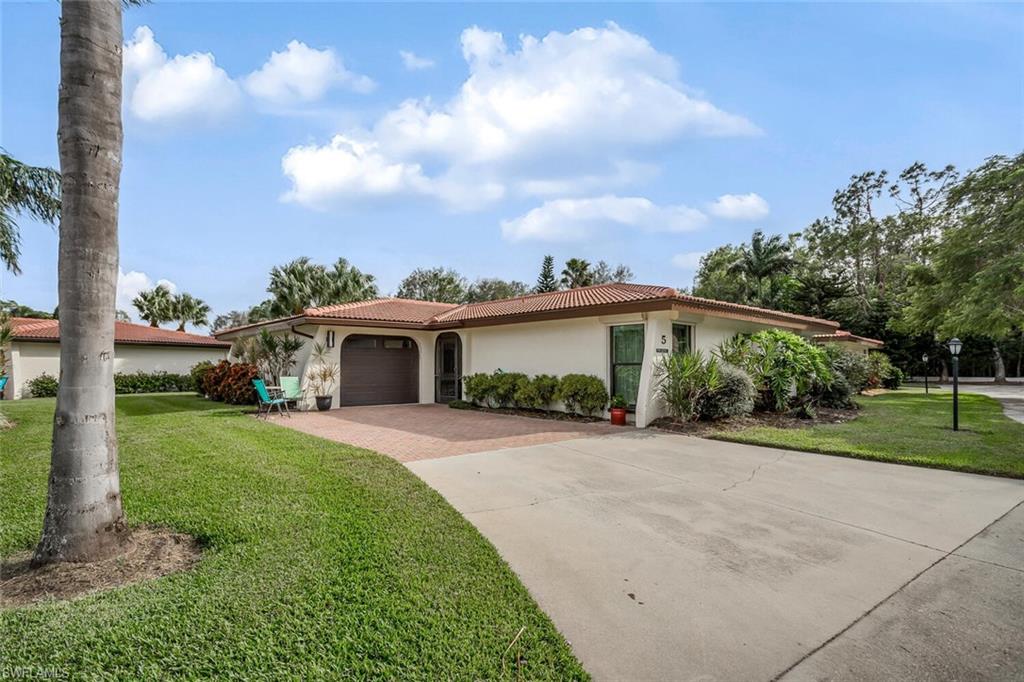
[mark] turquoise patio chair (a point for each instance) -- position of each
(267, 403)
(291, 389)
(3, 385)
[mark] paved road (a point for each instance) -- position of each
(667, 557)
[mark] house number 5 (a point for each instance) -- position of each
(664, 339)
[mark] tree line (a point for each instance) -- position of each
(912, 260)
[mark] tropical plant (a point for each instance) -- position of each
(155, 305)
(546, 279)
(582, 393)
(683, 381)
(538, 392)
(187, 309)
(84, 519)
(761, 264)
(577, 273)
(24, 189)
(323, 373)
(276, 354)
(782, 365)
(733, 396)
(302, 284)
(42, 386)
(443, 285)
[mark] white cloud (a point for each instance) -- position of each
(689, 260)
(162, 89)
(413, 62)
(740, 207)
(560, 109)
(302, 74)
(565, 220)
(129, 284)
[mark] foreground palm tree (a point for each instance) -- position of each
(24, 189)
(84, 520)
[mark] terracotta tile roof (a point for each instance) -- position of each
(31, 329)
(384, 310)
(412, 314)
(843, 335)
(583, 297)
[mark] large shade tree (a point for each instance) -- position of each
(24, 189)
(84, 520)
(443, 285)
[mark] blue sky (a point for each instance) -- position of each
(641, 134)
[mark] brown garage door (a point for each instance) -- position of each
(379, 370)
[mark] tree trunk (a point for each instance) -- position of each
(999, 365)
(944, 373)
(84, 520)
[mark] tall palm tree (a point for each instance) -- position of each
(762, 262)
(24, 189)
(187, 309)
(302, 284)
(347, 283)
(155, 305)
(84, 520)
(577, 273)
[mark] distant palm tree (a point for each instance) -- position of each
(24, 189)
(762, 262)
(155, 306)
(187, 309)
(577, 273)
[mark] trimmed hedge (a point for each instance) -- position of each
(581, 393)
(45, 386)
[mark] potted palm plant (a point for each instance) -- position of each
(618, 410)
(322, 377)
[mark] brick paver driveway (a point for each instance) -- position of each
(414, 432)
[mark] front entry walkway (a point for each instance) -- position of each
(414, 432)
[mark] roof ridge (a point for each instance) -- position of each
(712, 301)
(536, 294)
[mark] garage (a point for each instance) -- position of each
(379, 370)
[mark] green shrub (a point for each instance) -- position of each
(880, 370)
(683, 380)
(152, 382)
(854, 366)
(199, 371)
(849, 376)
(618, 403)
(895, 378)
(505, 386)
(733, 397)
(582, 393)
(478, 388)
(538, 392)
(785, 367)
(459, 405)
(43, 386)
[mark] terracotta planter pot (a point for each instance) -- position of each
(618, 416)
(323, 402)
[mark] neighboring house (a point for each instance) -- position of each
(35, 349)
(849, 342)
(403, 351)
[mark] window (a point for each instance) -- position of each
(627, 359)
(396, 344)
(682, 338)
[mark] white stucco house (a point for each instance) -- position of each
(35, 349)
(405, 351)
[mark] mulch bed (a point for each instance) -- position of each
(148, 553)
(779, 421)
(536, 414)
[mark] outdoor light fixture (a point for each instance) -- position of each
(924, 359)
(330, 339)
(954, 346)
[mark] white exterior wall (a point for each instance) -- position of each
(29, 359)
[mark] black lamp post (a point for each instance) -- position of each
(924, 359)
(954, 350)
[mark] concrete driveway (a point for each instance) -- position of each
(666, 557)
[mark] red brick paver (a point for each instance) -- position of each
(413, 432)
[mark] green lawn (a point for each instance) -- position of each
(910, 427)
(321, 560)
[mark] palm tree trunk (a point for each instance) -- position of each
(84, 520)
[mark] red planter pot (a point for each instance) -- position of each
(618, 416)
